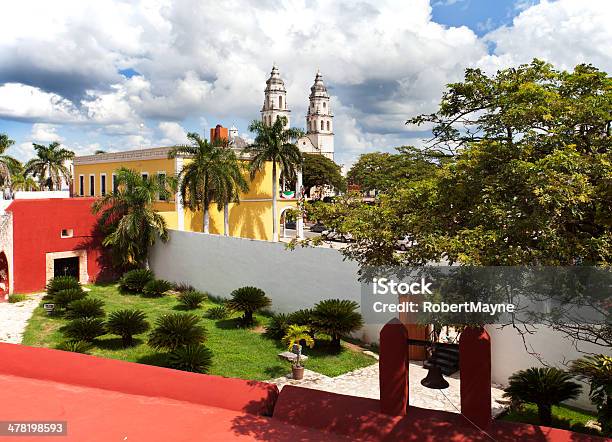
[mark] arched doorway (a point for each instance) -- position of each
(288, 223)
(4, 277)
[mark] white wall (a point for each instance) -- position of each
(293, 279)
(41, 194)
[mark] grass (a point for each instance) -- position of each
(563, 417)
(237, 352)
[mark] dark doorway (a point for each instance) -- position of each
(66, 267)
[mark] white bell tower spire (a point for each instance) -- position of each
(275, 101)
(319, 119)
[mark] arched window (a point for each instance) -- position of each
(328, 125)
(321, 124)
(324, 105)
(280, 102)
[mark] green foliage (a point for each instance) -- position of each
(85, 308)
(49, 165)
(156, 288)
(336, 318)
(177, 330)
(75, 346)
(84, 329)
(248, 300)
(127, 217)
(183, 287)
(61, 283)
(217, 312)
(277, 326)
(127, 323)
(544, 387)
(563, 417)
(196, 358)
(66, 296)
(16, 298)
(135, 280)
(298, 335)
(192, 299)
(301, 317)
(318, 170)
(597, 371)
(9, 166)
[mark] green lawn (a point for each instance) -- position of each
(563, 417)
(237, 352)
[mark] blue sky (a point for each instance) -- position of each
(119, 75)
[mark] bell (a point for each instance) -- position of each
(434, 379)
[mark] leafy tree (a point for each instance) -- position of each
(275, 143)
(544, 387)
(321, 171)
(336, 318)
(214, 174)
(128, 219)
(21, 181)
(8, 164)
(49, 166)
(248, 300)
(597, 371)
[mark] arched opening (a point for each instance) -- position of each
(4, 277)
(280, 102)
(321, 124)
(324, 105)
(328, 125)
(288, 223)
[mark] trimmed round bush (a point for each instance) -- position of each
(156, 288)
(192, 299)
(277, 326)
(84, 329)
(217, 312)
(176, 330)
(135, 280)
(75, 346)
(16, 298)
(195, 358)
(61, 283)
(248, 300)
(336, 318)
(85, 308)
(127, 323)
(66, 296)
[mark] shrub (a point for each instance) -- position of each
(192, 299)
(277, 326)
(61, 283)
(183, 287)
(135, 280)
(597, 371)
(301, 317)
(336, 318)
(156, 288)
(127, 323)
(66, 296)
(85, 308)
(195, 358)
(75, 346)
(16, 298)
(84, 329)
(248, 300)
(544, 387)
(176, 330)
(218, 312)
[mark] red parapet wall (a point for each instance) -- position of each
(127, 377)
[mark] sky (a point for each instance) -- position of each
(119, 74)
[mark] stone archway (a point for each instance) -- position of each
(4, 277)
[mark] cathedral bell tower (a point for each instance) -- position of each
(319, 118)
(275, 100)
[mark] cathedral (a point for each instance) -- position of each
(319, 138)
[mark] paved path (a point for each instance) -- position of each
(364, 383)
(14, 318)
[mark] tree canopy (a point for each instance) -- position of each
(318, 170)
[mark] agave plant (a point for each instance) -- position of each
(217, 312)
(177, 330)
(85, 308)
(597, 371)
(127, 323)
(248, 300)
(84, 329)
(543, 386)
(336, 318)
(196, 358)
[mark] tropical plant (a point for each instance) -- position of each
(296, 335)
(66, 296)
(84, 329)
(128, 219)
(61, 283)
(85, 308)
(196, 358)
(49, 166)
(127, 323)
(336, 318)
(248, 300)
(597, 371)
(21, 181)
(75, 346)
(192, 299)
(301, 317)
(277, 326)
(136, 280)
(177, 330)
(276, 144)
(543, 386)
(156, 288)
(8, 164)
(217, 312)
(16, 298)
(183, 287)
(214, 174)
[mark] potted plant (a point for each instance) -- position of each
(293, 338)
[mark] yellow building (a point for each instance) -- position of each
(94, 175)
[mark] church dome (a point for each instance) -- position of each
(318, 89)
(275, 83)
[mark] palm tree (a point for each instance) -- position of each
(8, 164)
(597, 371)
(49, 165)
(128, 219)
(20, 181)
(274, 143)
(294, 336)
(213, 174)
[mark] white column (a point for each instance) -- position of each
(179, 202)
(298, 194)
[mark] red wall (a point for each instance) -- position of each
(37, 226)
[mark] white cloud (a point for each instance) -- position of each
(172, 133)
(30, 103)
(45, 133)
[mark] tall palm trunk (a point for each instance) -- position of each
(274, 196)
(226, 219)
(205, 220)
